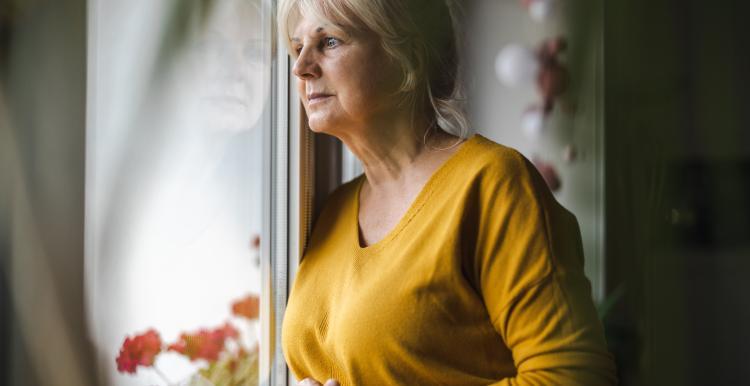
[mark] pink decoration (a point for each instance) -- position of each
(570, 153)
(552, 80)
(549, 174)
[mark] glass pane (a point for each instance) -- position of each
(178, 101)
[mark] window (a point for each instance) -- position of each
(187, 168)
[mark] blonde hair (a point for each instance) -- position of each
(417, 34)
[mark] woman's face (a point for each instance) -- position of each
(345, 81)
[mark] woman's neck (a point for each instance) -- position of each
(394, 153)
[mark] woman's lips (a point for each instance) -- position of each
(317, 98)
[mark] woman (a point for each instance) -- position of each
(448, 262)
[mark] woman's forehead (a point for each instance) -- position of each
(333, 18)
(312, 25)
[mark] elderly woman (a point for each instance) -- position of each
(448, 262)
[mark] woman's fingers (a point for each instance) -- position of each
(310, 382)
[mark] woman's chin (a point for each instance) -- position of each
(328, 121)
(321, 126)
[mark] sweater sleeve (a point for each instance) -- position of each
(529, 268)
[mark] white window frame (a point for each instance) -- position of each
(290, 189)
(280, 213)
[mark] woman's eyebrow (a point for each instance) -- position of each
(317, 30)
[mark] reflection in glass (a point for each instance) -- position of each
(177, 98)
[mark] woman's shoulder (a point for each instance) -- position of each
(345, 191)
(498, 164)
(336, 201)
(333, 212)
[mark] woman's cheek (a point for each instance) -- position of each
(301, 91)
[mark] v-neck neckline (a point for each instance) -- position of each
(414, 207)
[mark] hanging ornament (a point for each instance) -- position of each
(517, 65)
(570, 153)
(549, 174)
(540, 10)
(533, 122)
(552, 79)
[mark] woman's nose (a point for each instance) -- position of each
(306, 65)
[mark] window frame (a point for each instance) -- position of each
(279, 210)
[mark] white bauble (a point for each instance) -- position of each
(516, 65)
(542, 10)
(533, 122)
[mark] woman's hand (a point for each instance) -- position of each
(312, 382)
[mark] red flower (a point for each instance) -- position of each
(247, 307)
(204, 344)
(141, 350)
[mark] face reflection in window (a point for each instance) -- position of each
(224, 67)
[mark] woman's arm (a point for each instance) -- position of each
(529, 269)
(555, 335)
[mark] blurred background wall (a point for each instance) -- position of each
(678, 185)
(42, 131)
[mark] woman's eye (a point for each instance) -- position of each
(330, 42)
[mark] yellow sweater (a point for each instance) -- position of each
(481, 282)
